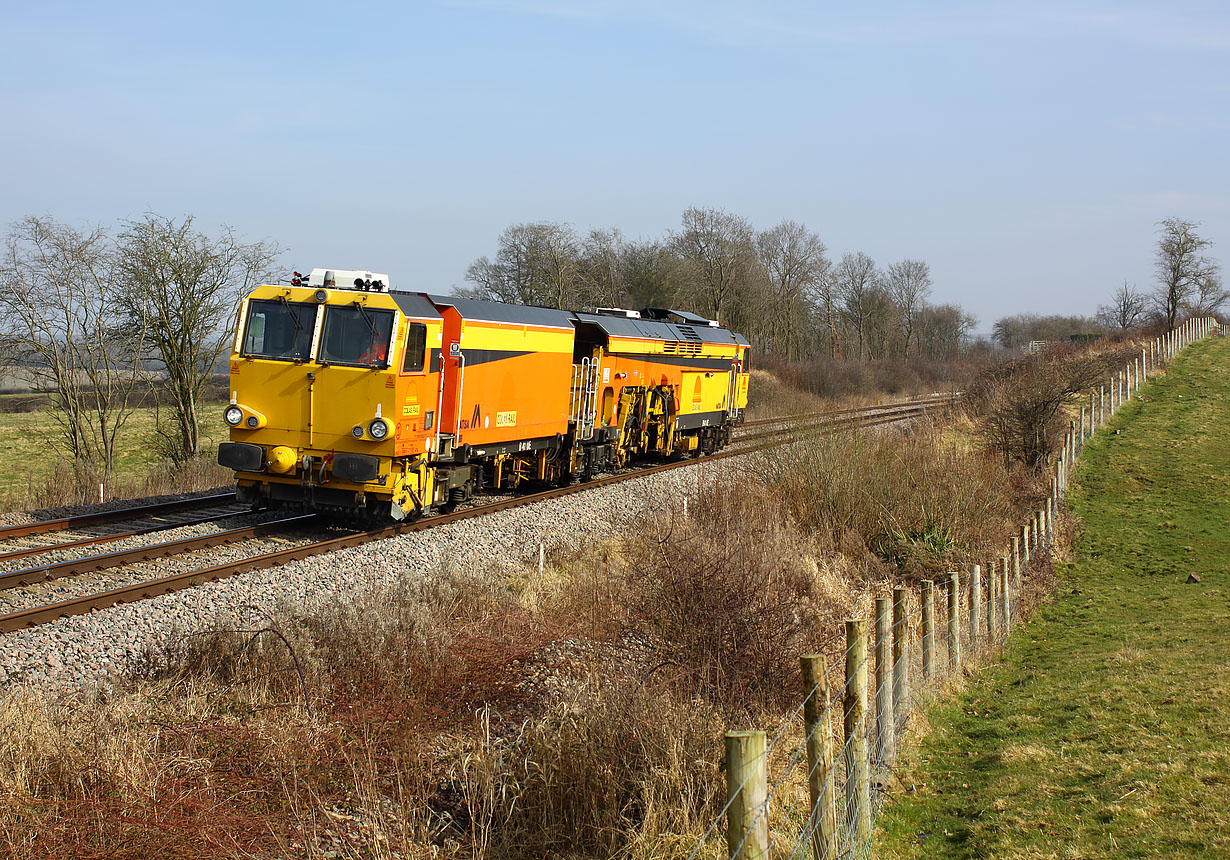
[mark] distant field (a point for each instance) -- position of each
(30, 446)
(1106, 730)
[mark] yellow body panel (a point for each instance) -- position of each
(312, 409)
(704, 391)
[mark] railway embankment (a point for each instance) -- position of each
(1105, 731)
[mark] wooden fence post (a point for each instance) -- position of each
(928, 627)
(901, 659)
(1005, 605)
(821, 782)
(854, 700)
(884, 680)
(954, 622)
(747, 819)
(1026, 543)
(975, 607)
(992, 580)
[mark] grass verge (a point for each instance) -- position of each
(34, 472)
(1104, 732)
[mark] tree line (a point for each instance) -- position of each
(101, 316)
(777, 286)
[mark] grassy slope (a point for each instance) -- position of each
(30, 444)
(1106, 731)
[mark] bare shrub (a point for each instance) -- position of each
(615, 768)
(913, 499)
(1019, 405)
(769, 395)
(410, 648)
(725, 596)
(842, 378)
(76, 483)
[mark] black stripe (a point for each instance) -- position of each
(686, 361)
(698, 419)
(482, 356)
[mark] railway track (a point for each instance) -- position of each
(63, 533)
(131, 592)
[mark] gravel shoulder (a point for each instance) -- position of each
(79, 653)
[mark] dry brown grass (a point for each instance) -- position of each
(576, 712)
(77, 484)
(913, 501)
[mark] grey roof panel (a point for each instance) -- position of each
(501, 312)
(415, 305)
(656, 330)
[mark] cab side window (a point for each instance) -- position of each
(416, 348)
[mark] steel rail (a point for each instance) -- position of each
(73, 567)
(904, 411)
(80, 520)
(144, 590)
(862, 410)
(111, 538)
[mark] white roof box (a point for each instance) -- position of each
(349, 279)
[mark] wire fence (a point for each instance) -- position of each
(815, 788)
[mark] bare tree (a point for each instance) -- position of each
(186, 285)
(534, 265)
(797, 267)
(1181, 267)
(62, 324)
(653, 276)
(1210, 297)
(1126, 309)
(599, 271)
(909, 286)
(1019, 404)
(856, 279)
(883, 323)
(719, 246)
(942, 329)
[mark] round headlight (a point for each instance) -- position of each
(233, 415)
(357, 431)
(321, 296)
(378, 429)
(253, 421)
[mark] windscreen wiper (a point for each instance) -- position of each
(294, 317)
(371, 327)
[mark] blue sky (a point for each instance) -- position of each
(1025, 150)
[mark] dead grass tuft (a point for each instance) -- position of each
(914, 501)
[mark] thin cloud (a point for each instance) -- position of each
(1193, 24)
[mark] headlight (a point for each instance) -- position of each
(233, 415)
(321, 296)
(378, 429)
(357, 432)
(253, 422)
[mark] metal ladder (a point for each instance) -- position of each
(583, 405)
(732, 392)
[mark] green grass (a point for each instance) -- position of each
(30, 446)
(1106, 730)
